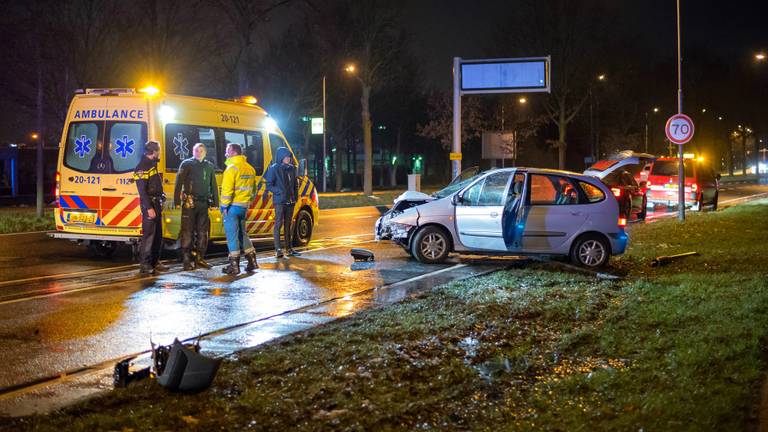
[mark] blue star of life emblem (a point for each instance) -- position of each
(124, 146)
(180, 146)
(82, 146)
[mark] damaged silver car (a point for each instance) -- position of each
(511, 211)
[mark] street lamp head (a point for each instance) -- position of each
(522, 101)
(34, 135)
(601, 77)
(655, 109)
(703, 110)
(760, 56)
(350, 68)
(719, 117)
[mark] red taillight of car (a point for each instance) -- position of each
(694, 187)
(648, 184)
(616, 192)
(622, 222)
(57, 190)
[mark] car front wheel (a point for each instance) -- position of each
(430, 245)
(591, 251)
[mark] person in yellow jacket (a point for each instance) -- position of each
(238, 189)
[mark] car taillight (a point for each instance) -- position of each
(616, 192)
(622, 222)
(694, 187)
(648, 183)
(58, 187)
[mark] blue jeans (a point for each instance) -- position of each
(237, 235)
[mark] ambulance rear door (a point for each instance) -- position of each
(125, 133)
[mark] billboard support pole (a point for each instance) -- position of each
(456, 147)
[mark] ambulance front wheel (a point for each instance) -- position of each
(303, 228)
(103, 249)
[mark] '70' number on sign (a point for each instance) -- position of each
(680, 128)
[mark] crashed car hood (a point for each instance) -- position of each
(606, 166)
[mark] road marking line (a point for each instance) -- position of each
(66, 275)
(744, 198)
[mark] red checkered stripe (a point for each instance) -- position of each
(120, 211)
(260, 216)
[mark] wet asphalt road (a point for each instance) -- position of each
(55, 324)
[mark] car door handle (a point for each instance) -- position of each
(109, 189)
(494, 214)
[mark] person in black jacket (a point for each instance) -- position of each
(195, 191)
(151, 197)
(282, 183)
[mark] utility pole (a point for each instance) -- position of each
(681, 162)
(325, 164)
(40, 134)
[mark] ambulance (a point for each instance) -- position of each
(97, 203)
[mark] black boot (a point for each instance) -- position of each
(187, 261)
(252, 264)
(234, 266)
(146, 270)
(201, 262)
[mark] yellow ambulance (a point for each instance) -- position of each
(103, 140)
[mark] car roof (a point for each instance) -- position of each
(543, 171)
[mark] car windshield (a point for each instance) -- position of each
(454, 187)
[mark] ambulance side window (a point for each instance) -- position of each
(275, 142)
(81, 145)
(207, 136)
(179, 140)
(254, 151)
(126, 145)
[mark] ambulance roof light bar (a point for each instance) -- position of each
(106, 91)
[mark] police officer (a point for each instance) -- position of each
(238, 189)
(195, 191)
(151, 196)
(282, 183)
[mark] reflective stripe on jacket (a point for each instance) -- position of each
(239, 184)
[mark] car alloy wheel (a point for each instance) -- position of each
(591, 252)
(433, 245)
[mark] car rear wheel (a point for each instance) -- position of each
(591, 251)
(303, 229)
(430, 245)
(644, 212)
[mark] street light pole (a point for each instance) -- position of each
(681, 162)
(325, 167)
(646, 132)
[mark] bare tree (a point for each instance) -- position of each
(570, 32)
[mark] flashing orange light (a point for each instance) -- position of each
(622, 222)
(150, 90)
(57, 191)
(616, 192)
(250, 100)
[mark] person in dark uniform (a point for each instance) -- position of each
(151, 197)
(282, 183)
(195, 191)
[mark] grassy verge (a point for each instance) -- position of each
(384, 198)
(669, 348)
(23, 220)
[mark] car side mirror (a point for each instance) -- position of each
(457, 199)
(303, 168)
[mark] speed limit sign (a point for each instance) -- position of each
(679, 129)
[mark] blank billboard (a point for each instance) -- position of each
(505, 76)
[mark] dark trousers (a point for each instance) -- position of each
(151, 237)
(283, 218)
(195, 226)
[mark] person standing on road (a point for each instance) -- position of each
(195, 191)
(238, 189)
(282, 183)
(151, 198)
